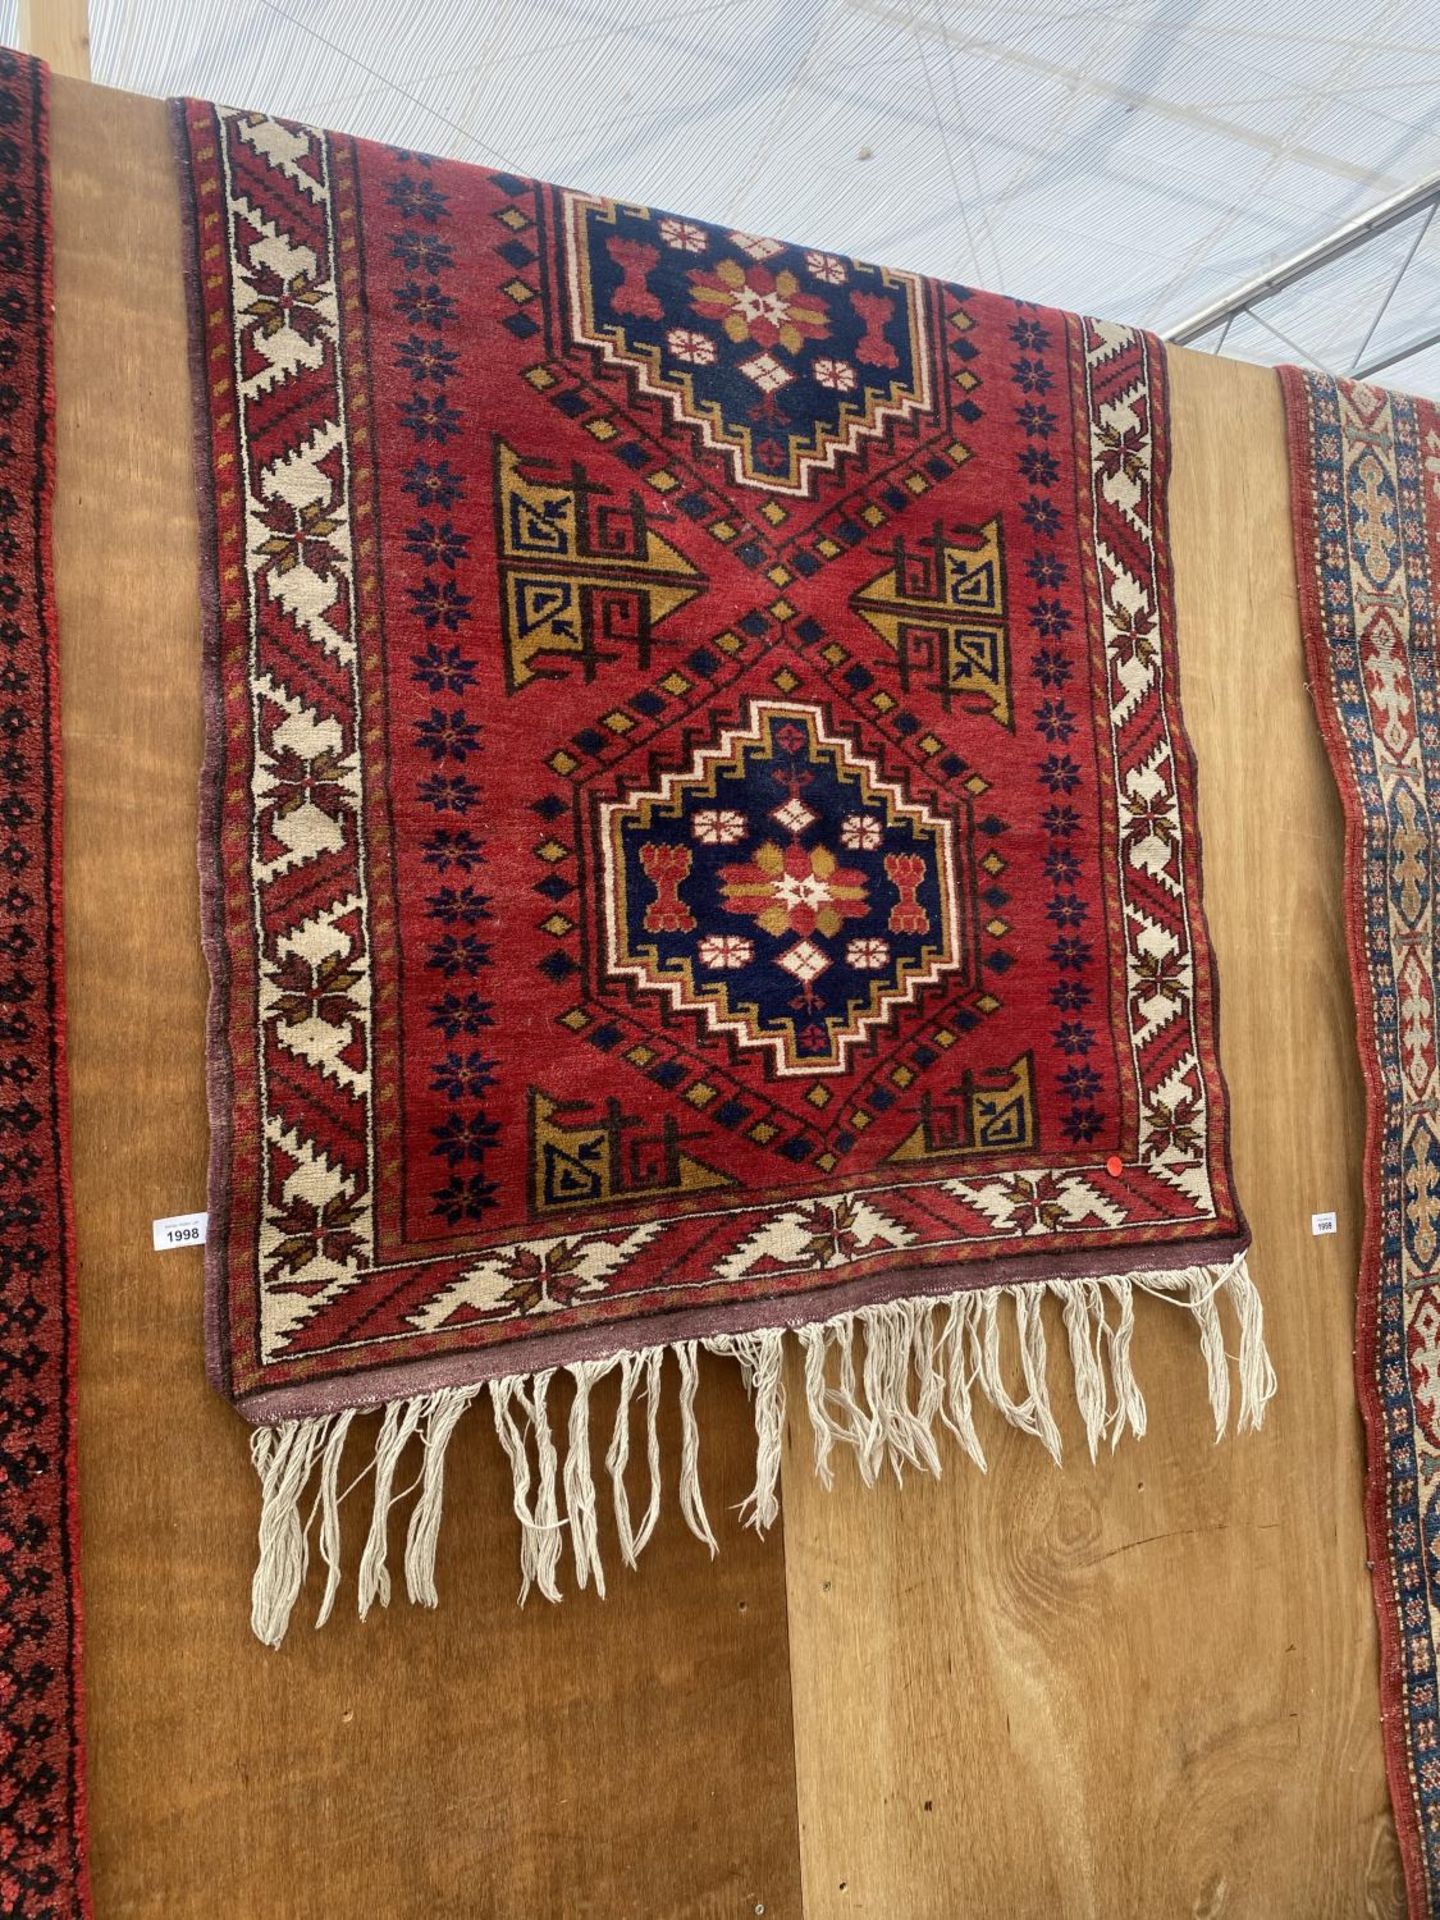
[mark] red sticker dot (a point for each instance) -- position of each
(1115, 1166)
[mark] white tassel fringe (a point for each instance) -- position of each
(920, 1362)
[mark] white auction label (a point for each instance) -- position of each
(180, 1230)
(1323, 1223)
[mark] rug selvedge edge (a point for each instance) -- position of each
(1300, 390)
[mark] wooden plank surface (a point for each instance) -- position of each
(57, 32)
(625, 1758)
(1144, 1689)
(1149, 1688)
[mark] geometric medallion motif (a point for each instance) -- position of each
(782, 889)
(782, 357)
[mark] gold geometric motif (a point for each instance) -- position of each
(583, 576)
(585, 1161)
(941, 606)
(991, 1112)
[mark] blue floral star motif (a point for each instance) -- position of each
(1046, 569)
(1073, 1036)
(417, 199)
(1054, 720)
(438, 546)
(424, 304)
(1060, 773)
(1032, 376)
(463, 1076)
(458, 848)
(1038, 466)
(430, 416)
(1041, 516)
(422, 252)
(462, 1013)
(449, 792)
(466, 1198)
(466, 905)
(440, 603)
(458, 1139)
(1030, 336)
(1051, 668)
(1070, 952)
(435, 483)
(1051, 618)
(1067, 910)
(447, 736)
(459, 953)
(1036, 418)
(426, 359)
(443, 669)
(1079, 1083)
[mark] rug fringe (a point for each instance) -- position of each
(921, 1364)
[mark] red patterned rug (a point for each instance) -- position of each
(42, 1790)
(699, 842)
(1365, 477)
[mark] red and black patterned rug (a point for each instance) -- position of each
(42, 1793)
(699, 840)
(1365, 479)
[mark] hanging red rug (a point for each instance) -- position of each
(699, 841)
(1366, 502)
(42, 1791)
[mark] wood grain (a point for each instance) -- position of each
(625, 1758)
(57, 32)
(1148, 1688)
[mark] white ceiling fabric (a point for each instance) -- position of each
(1137, 158)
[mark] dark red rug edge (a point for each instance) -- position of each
(38, 639)
(1300, 445)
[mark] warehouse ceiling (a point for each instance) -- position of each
(1134, 160)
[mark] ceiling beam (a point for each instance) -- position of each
(1392, 356)
(1331, 246)
(933, 27)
